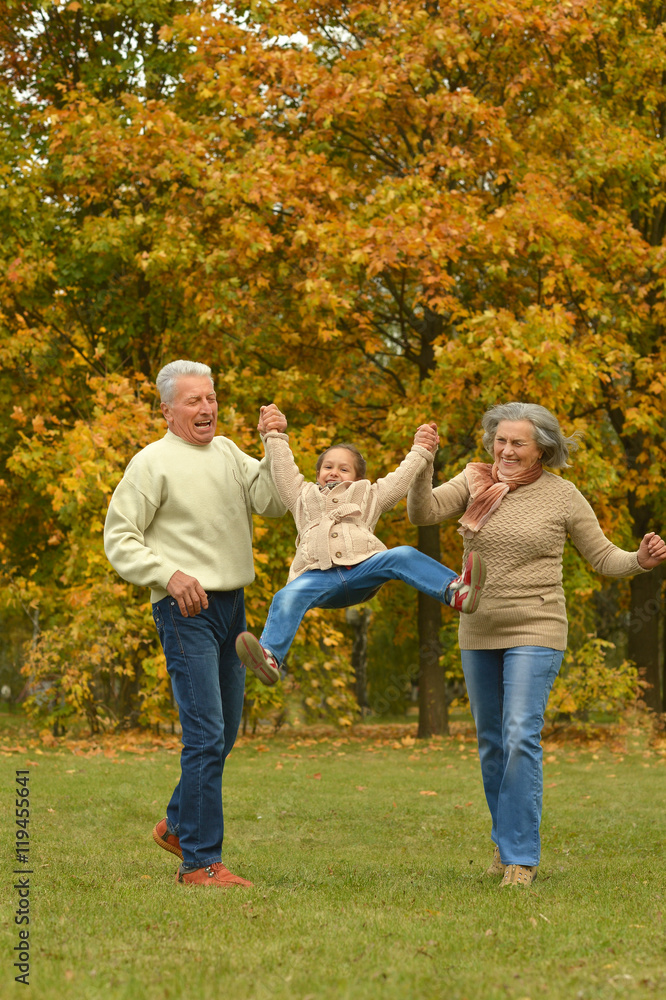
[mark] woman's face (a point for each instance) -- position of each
(514, 448)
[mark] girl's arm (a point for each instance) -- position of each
(286, 475)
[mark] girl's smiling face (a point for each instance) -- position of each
(514, 448)
(338, 466)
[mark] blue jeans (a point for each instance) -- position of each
(344, 586)
(208, 685)
(508, 692)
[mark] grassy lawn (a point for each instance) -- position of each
(367, 857)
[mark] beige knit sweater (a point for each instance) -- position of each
(336, 526)
(522, 544)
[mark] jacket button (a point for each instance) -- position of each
(335, 499)
(338, 555)
(334, 534)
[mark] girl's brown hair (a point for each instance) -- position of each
(359, 461)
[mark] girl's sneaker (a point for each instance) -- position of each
(464, 592)
(260, 661)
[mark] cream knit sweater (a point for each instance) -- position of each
(336, 526)
(522, 544)
(188, 507)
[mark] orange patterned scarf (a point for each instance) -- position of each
(488, 487)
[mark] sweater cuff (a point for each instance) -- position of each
(165, 573)
(274, 434)
(639, 568)
(424, 453)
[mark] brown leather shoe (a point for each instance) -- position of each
(519, 875)
(167, 840)
(215, 874)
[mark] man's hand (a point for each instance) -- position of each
(271, 419)
(427, 437)
(652, 551)
(188, 592)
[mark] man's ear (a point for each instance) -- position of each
(166, 411)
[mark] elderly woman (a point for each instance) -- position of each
(517, 516)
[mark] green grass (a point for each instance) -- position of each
(363, 887)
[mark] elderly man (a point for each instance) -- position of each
(180, 522)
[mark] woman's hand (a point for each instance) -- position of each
(651, 551)
(427, 437)
(271, 419)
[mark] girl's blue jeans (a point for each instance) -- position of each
(208, 685)
(508, 692)
(344, 586)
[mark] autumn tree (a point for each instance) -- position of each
(377, 213)
(478, 181)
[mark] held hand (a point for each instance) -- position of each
(271, 419)
(188, 592)
(652, 551)
(427, 437)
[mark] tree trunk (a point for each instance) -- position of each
(359, 619)
(663, 661)
(643, 647)
(433, 713)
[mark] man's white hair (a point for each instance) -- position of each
(168, 376)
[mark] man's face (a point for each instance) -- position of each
(193, 413)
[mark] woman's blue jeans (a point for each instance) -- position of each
(208, 684)
(344, 586)
(508, 692)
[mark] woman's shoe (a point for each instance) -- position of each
(497, 866)
(519, 875)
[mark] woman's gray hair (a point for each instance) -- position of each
(547, 432)
(169, 375)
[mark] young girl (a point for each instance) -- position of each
(339, 561)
